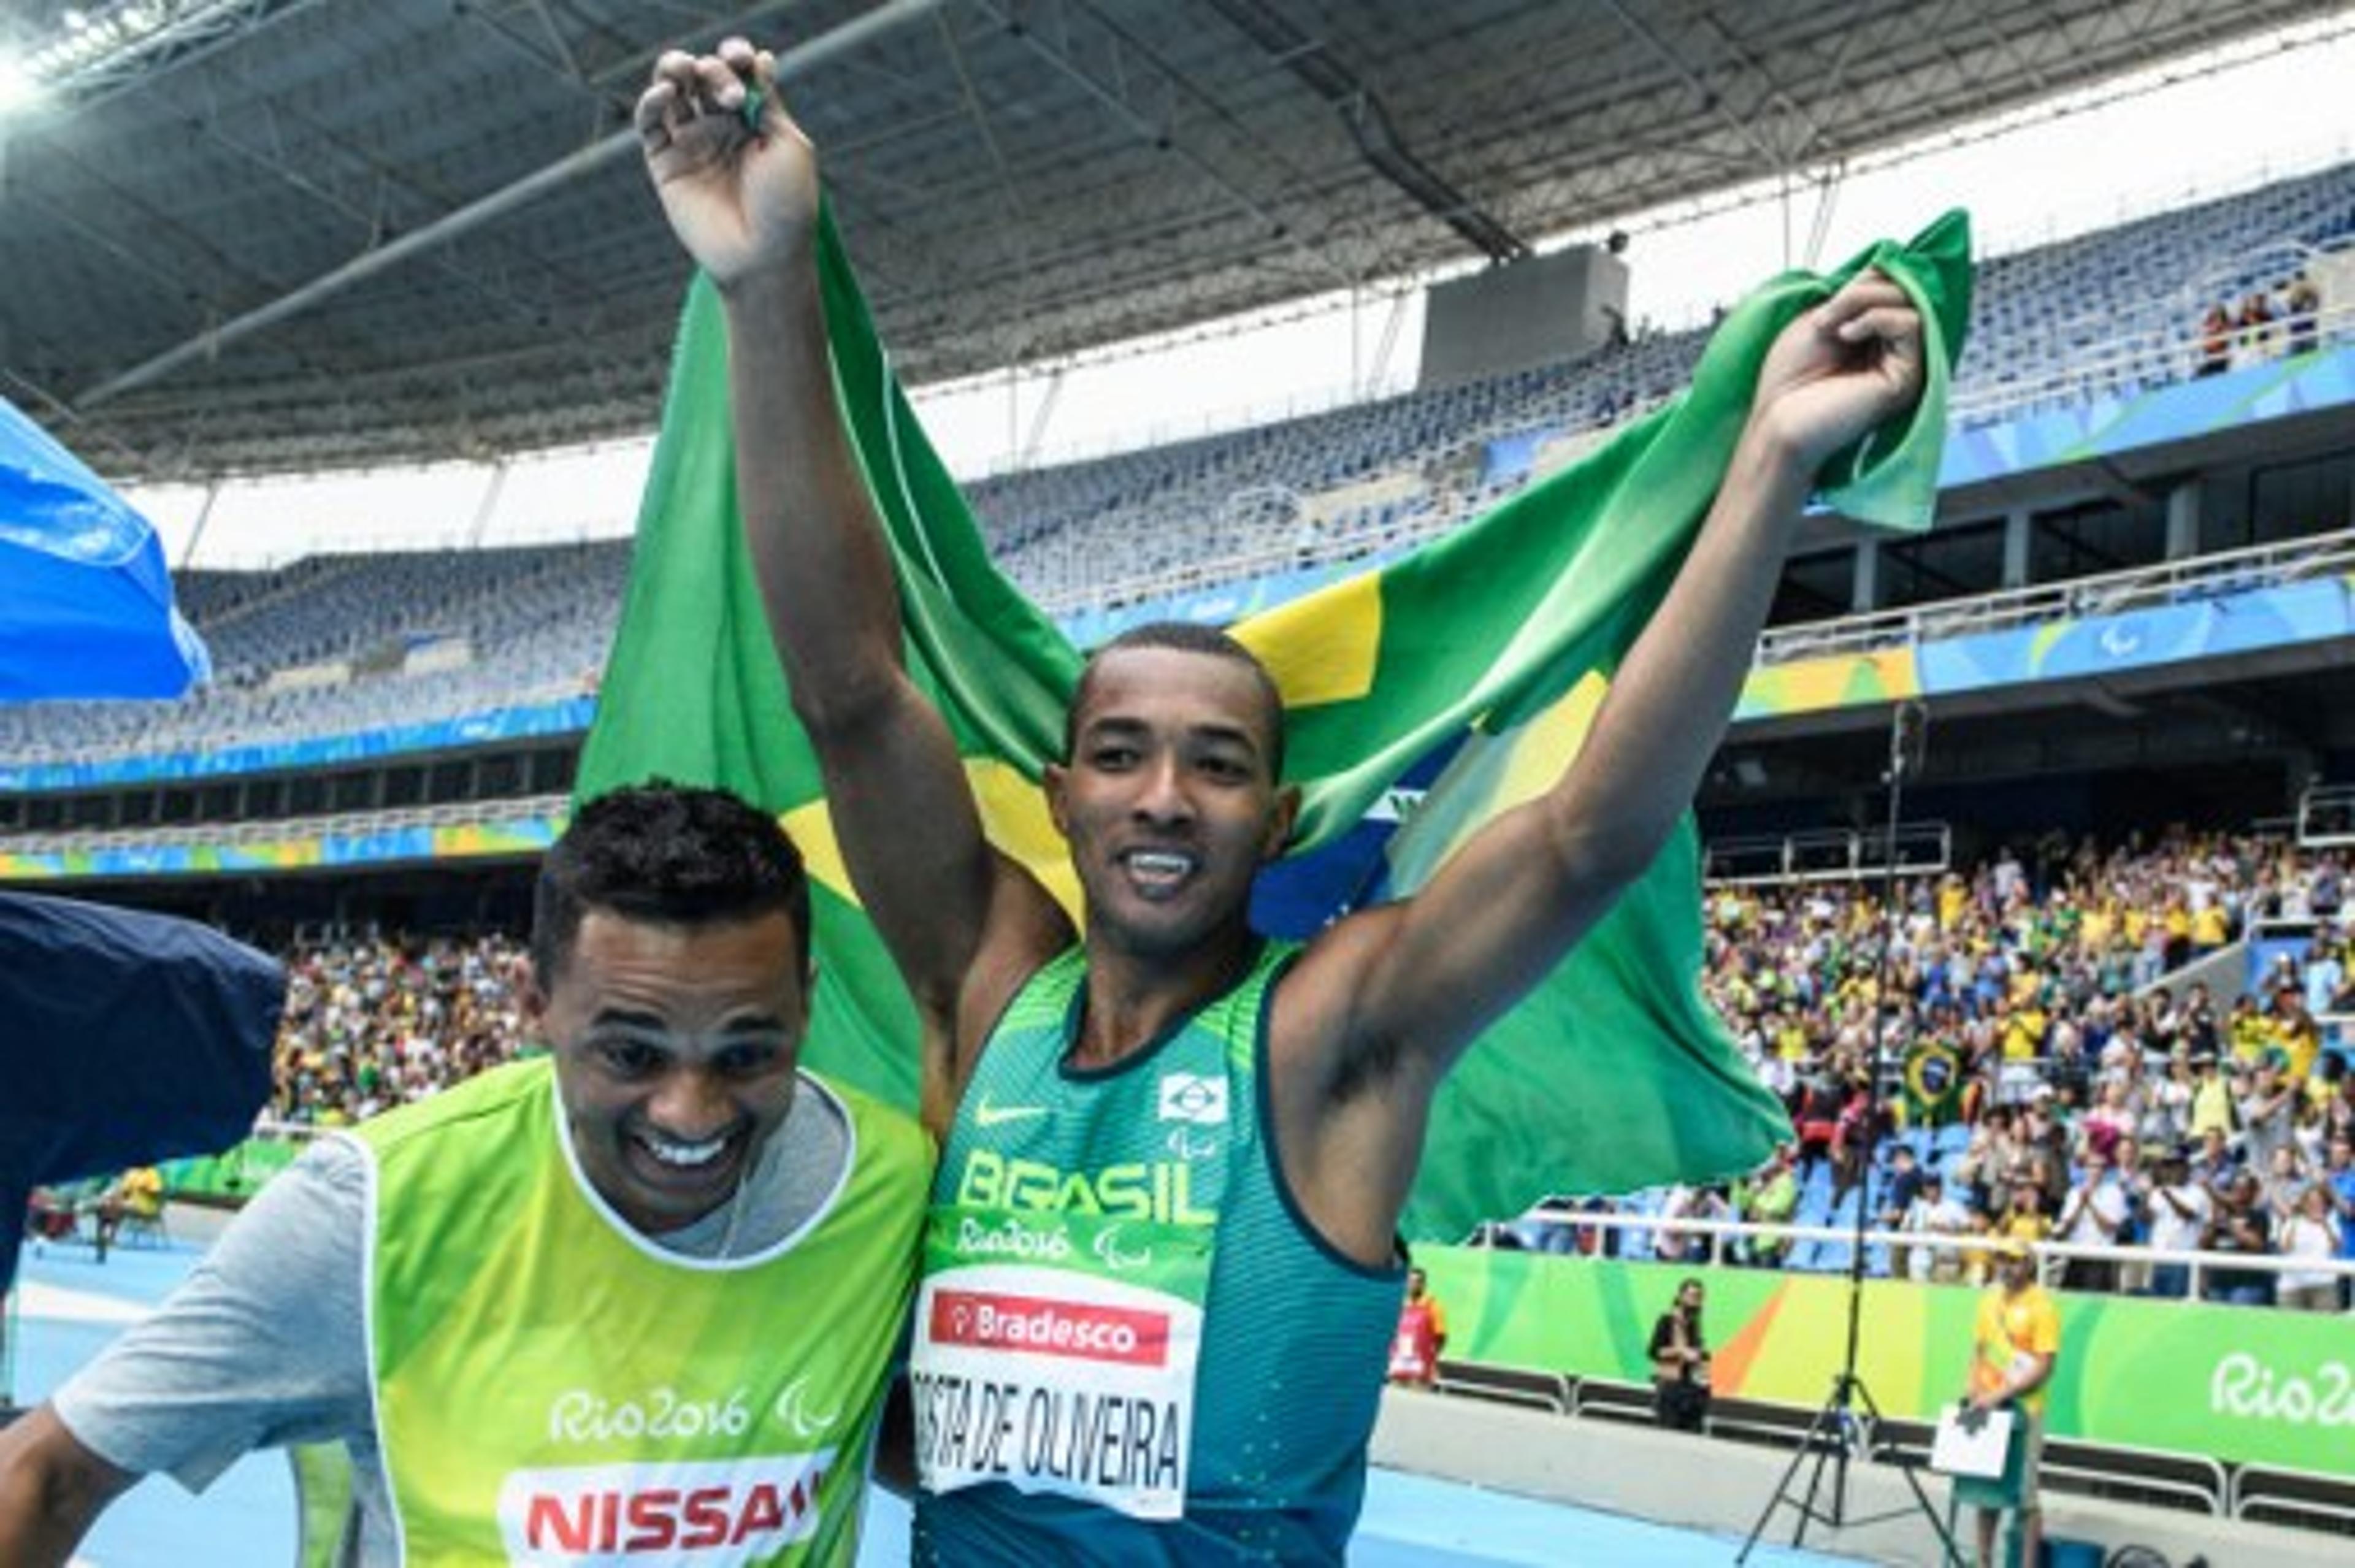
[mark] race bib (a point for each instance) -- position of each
(1057, 1352)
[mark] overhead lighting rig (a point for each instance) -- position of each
(101, 48)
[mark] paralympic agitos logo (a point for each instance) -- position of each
(709, 1515)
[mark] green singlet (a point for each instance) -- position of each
(1130, 1346)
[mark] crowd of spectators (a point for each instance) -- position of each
(373, 1022)
(2100, 1109)
(2266, 322)
(2098, 1097)
(2094, 1106)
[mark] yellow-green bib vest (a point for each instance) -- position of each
(551, 1387)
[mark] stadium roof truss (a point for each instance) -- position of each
(241, 235)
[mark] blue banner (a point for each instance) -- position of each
(2206, 626)
(2103, 425)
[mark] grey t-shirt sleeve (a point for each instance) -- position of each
(264, 1344)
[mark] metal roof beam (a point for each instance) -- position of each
(371, 222)
(1017, 232)
(1156, 125)
(473, 216)
(1812, 129)
(1378, 142)
(558, 42)
(1711, 99)
(194, 30)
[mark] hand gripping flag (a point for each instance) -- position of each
(1475, 662)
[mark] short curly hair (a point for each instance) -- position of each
(667, 854)
(1185, 637)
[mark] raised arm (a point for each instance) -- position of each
(1427, 974)
(744, 199)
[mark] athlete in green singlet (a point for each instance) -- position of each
(1160, 1278)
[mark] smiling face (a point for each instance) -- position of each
(674, 1050)
(1169, 801)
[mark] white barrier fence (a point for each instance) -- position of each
(1694, 1241)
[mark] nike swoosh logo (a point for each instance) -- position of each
(988, 1116)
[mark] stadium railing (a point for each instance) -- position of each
(1640, 1234)
(2325, 816)
(1921, 848)
(2269, 1494)
(2166, 583)
(1508, 1385)
(2150, 1476)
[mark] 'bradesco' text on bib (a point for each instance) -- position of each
(1056, 1352)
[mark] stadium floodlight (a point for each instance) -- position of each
(19, 88)
(101, 45)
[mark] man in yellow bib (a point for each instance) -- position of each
(639, 1296)
(2012, 1353)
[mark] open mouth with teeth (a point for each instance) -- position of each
(1158, 874)
(673, 1163)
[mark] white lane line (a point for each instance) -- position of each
(35, 1299)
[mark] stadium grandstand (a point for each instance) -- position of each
(2104, 954)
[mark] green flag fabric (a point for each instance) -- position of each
(1490, 648)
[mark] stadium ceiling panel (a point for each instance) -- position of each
(243, 235)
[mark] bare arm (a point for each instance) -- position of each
(744, 203)
(1382, 1004)
(1431, 972)
(2016, 1385)
(52, 1491)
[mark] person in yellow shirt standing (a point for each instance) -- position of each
(2296, 1033)
(2023, 1026)
(2210, 928)
(2211, 1098)
(1953, 897)
(2013, 1350)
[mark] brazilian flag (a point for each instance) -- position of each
(1473, 665)
(1933, 1083)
